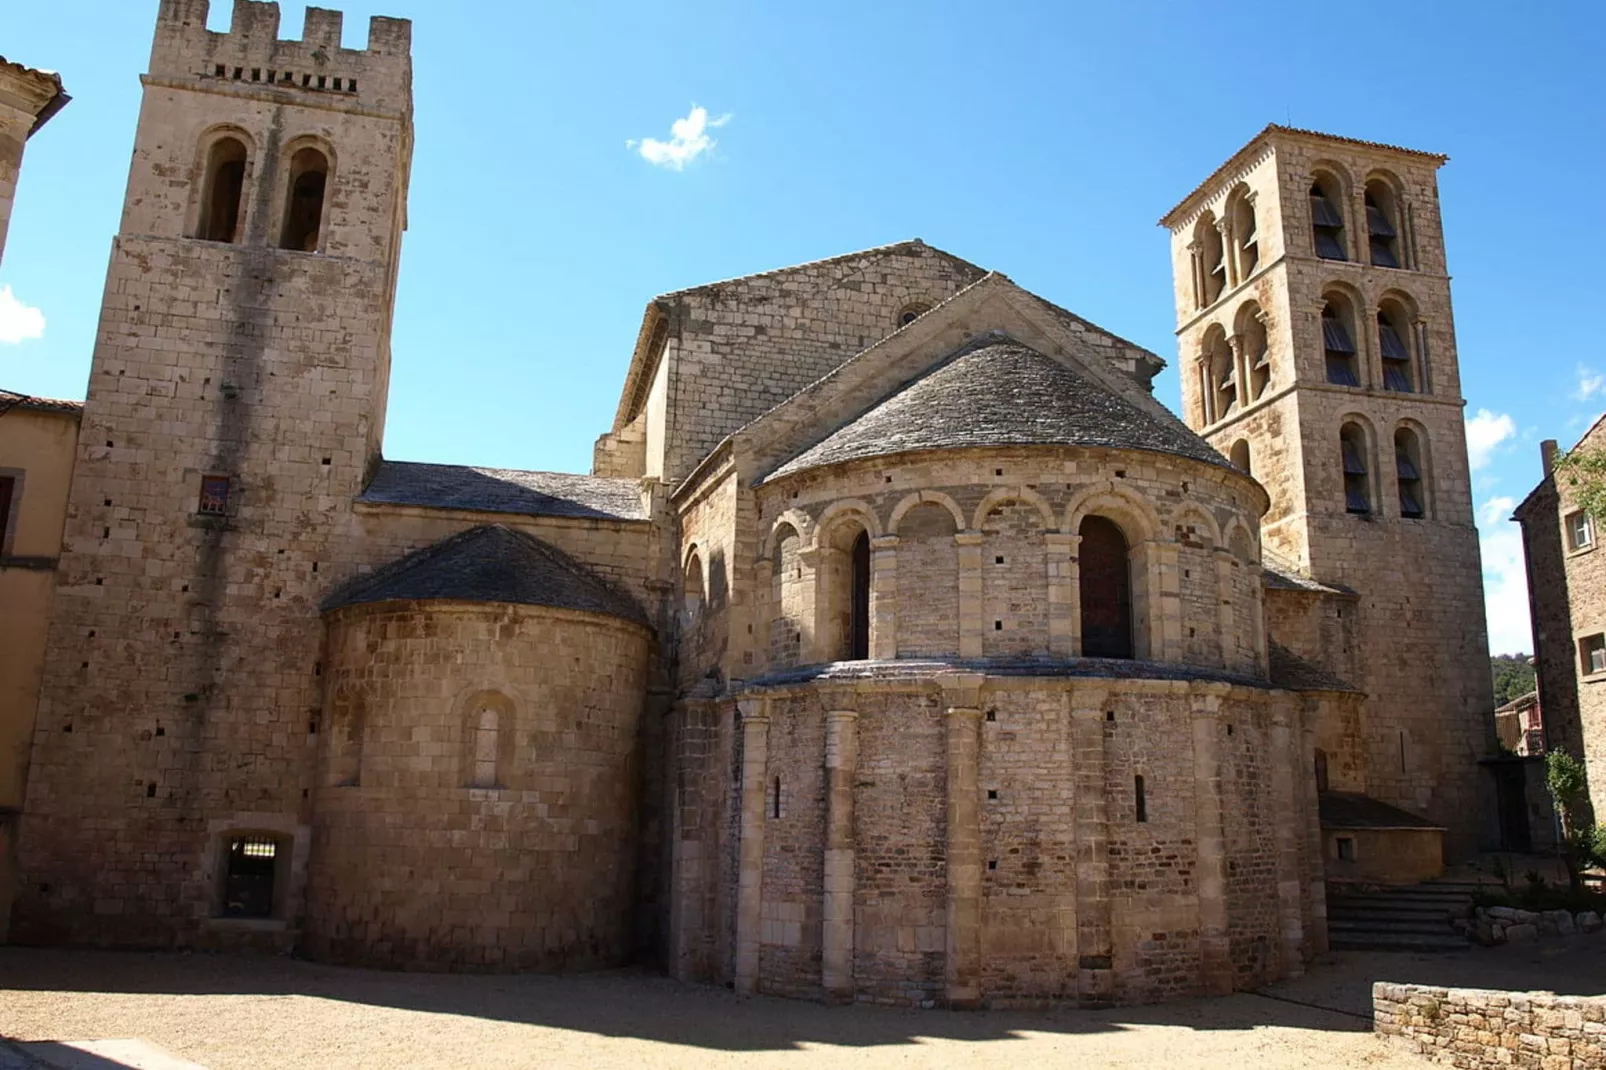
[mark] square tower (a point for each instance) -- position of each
(235, 403)
(1318, 353)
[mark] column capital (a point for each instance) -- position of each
(968, 538)
(1063, 540)
(754, 711)
(884, 542)
(841, 715)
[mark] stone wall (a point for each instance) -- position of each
(992, 839)
(518, 855)
(1480, 1029)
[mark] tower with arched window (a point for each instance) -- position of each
(1327, 354)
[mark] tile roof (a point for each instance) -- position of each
(502, 490)
(1000, 392)
(11, 400)
(1521, 702)
(1345, 810)
(490, 563)
(1293, 673)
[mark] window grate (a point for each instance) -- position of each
(214, 496)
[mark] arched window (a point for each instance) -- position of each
(1357, 474)
(1382, 227)
(1408, 470)
(1106, 590)
(1321, 769)
(1257, 353)
(694, 590)
(1394, 345)
(1212, 265)
(1245, 236)
(1240, 456)
(1327, 218)
(303, 206)
(1338, 343)
(221, 191)
(487, 740)
(1223, 375)
(859, 625)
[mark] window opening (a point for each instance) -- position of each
(1327, 225)
(910, 314)
(1396, 356)
(8, 494)
(859, 627)
(1140, 799)
(487, 735)
(775, 800)
(1592, 654)
(303, 210)
(1339, 348)
(1346, 848)
(1321, 769)
(214, 496)
(1380, 230)
(1240, 456)
(1106, 590)
(1408, 470)
(1357, 488)
(221, 193)
(1245, 234)
(1580, 527)
(249, 878)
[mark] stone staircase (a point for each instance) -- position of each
(1414, 917)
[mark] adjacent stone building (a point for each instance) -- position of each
(1567, 597)
(901, 646)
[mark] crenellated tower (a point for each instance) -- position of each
(1317, 351)
(235, 404)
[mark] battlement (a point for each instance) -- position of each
(251, 53)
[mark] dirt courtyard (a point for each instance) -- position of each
(234, 1013)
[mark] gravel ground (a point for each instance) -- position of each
(235, 1013)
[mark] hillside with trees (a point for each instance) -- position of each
(1513, 677)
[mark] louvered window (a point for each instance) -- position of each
(1357, 488)
(1380, 234)
(1396, 357)
(1340, 350)
(1410, 479)
(1327, 226)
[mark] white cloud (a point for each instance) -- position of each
(1505, 578)
(1486, 432)
(1590, 383)
(688, 139)
(18, 322)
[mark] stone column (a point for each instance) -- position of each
(1207, 392)
(1310, 707)
(1215, 949)
(750, 871)
(1196, 270)
(763, 608)
(971, 624)
(884, 597)
(836, 938)
(1226, 598)
(1240, 370)
(962, 972)
(1286, 770)
(1064, 595)
(1229, 253)
(1095, 974)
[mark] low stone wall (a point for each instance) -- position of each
(1476, 1028)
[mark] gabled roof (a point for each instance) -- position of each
(1240, 157)
(1521, 702)
(503, 490)
(997, 391)
(490, 564)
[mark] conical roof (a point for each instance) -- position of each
(1000, 392)
(491, 563)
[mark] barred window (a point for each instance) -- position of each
(250, 877)
(214, 496)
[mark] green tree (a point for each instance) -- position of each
(1513, 677)
(1569, 787)
(1584, 470)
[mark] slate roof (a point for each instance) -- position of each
(1293, 673)
(490, 563)
(1281, 573)
(1000, 392)
(1344, 810)
(502, 490)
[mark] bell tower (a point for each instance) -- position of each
(236, 401)
(1317, 351)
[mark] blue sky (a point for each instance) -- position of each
(1039, 139)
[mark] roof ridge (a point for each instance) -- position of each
(820, 262)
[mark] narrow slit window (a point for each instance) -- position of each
(487, 740)
(1141, 799)
(775, 799)
(8, 494)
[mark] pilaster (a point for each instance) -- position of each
(1226, 621)
(836, 943)
(962, 972)
(1064, 595)
(750, 872)
(1215, 949)
(1095, 983)
(884, 597)
(971, 625)
(1286, 811)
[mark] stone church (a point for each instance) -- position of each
(900, 646)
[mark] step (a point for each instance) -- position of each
(1438, 917)
(1375, 928)
(1406, 942)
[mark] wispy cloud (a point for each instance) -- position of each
(1486, 432)
(688, 139)
(1505, 578)
(18, 322)
(1591, 383)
